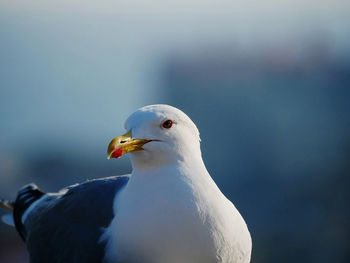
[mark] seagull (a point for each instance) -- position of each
(169, 210)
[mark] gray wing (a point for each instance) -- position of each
(67, 227)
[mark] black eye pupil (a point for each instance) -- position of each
(167, 124)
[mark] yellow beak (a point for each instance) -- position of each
(124, 144)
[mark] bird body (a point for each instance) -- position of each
(183, 218)
(170, 210)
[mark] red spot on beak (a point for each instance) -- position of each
(117, 153)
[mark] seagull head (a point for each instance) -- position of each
(157, 135)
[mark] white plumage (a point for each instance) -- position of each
(171, 210)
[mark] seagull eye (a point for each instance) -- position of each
(167, 124)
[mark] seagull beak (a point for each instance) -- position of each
(124, 144)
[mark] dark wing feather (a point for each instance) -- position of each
(25, 198)
(67, 228)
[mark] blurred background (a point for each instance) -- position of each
(271, 77)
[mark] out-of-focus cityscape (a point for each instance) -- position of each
(267, 84)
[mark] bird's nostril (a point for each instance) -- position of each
(123, 141)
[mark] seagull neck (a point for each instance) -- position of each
(190, 167)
